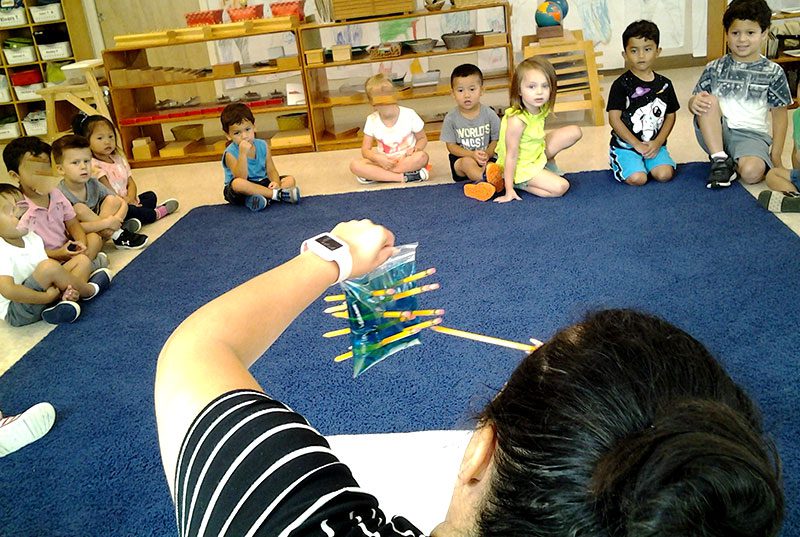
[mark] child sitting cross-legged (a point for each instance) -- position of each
(251, 177)
(111, 168)
(470, 132)
(48, 212)
(32, 286)
(397, 132)
(783, 195)
(99, 210)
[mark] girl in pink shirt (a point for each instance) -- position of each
(112, 169)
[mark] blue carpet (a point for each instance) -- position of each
(714, 263)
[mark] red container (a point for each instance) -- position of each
(284, 9)
(246, 13)
(204, 18)
(26, 77)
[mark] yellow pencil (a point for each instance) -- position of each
(334, 309)
(416, 291)
(406, 332)
(485, 339)
(415, 277)
(376, 292)
(335, 333)
(412, 313)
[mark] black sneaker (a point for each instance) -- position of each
(290, 195)
(61, 313)
(132, 224)
(130, 241)
(723, 173)
(419, 175)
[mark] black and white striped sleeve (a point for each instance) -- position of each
(250, 466)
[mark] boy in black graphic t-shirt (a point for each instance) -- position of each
(641, 111)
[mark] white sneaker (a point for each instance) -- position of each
(364, 181)
(18, 431)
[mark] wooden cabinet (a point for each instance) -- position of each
(38, 24)
(133, 82)
(328, 95)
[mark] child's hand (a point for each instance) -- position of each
(651, 149)
(274, 185)
(385, 162)
(510, 195)
(481, 157)
(112, 223)
(52, 293)
(370, 244)
(701, 103)
(245, 146)
(411, 150)
(71, 294)
(74, 248)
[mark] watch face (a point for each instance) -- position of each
(329, 242)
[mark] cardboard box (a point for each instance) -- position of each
(226, 69)
(144, 140)
(293, 138)
(288, 62)
(145, 151)
(176, 149)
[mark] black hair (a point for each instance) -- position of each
(17, 148)
(83, 124)
(748, 10)
(7, 189)
(464, 70)
(625, 425)
(70, 141)
(235, 113)
(642, 29)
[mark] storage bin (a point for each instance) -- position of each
(16, 56)
(9, 130)
(52, 12)
(246, 13)
(26, 76)
(35, 127)
(315, 56)
(28, 93)
(287, 9)
(357, 9)
(55, 51)
(13, 17)
(290, 122)
(203, 18)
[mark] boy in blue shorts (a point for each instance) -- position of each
(641, 111)
(251, 178)
(783, 196)
(732, 98)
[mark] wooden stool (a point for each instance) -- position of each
(77, 95)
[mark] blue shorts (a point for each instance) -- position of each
(626, 161)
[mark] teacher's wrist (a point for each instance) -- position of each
(326, 271)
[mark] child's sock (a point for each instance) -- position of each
(721, 154)
(161, 212)
(276, 194)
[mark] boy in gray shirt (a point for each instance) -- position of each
(471, 131)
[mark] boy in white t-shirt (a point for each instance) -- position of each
(394, 139)
(32, 286)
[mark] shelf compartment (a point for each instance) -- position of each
(207, 111)
(331, 99)
(437, 51)
(413, 15)
(246, 71)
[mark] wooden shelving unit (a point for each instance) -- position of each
(135, 103)
(574, 60)
(73, 24)
(323, 99)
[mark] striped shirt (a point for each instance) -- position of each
(249, 465)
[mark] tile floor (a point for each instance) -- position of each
(201, 184)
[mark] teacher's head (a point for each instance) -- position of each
(620, 425)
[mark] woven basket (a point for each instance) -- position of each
(188, 133)
(204, 18)
(290, 122)
(385, 50)
(285, 9)
(246, 13)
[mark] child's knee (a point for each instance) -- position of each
(575, 133)
(751, 170)
(46, 270)
(662, 174)
(288, 181)
(636, 179)
(560, 187)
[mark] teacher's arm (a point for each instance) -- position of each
(210, 352)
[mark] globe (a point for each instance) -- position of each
(548, 14)
(564, 5)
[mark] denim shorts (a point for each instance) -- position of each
(20, 314)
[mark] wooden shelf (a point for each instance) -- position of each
(437, 51)
(414, 15)
(198, 116)
(256, 71)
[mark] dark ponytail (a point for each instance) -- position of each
(624, 425)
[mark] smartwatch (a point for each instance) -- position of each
(331, 248)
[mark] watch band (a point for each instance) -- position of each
(329, 247)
